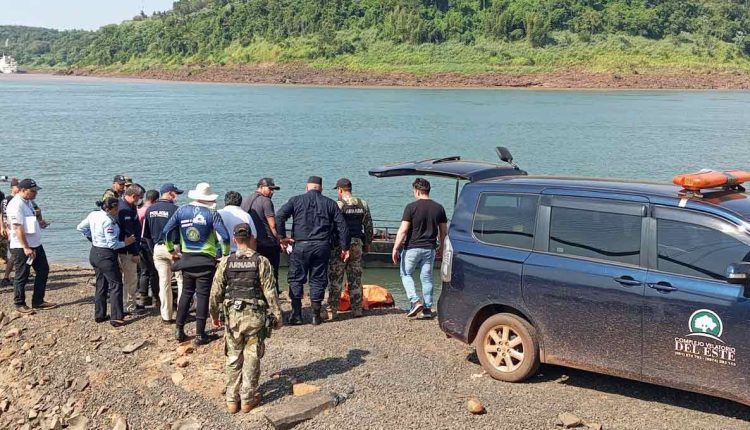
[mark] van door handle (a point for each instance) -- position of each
(627, 281)
(664, 287)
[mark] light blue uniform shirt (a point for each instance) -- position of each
(102, 230)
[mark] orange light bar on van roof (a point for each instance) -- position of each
(711, 179)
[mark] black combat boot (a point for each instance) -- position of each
(203, 339)
(316, 319)
(296, 317)
(179, 334)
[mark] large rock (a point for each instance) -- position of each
(78, 423)
(569, 420)
(49, 340)
(302, 389)
(474, 406)
(13, 332)
(135, 346)
(81, 383)
(177, 378)
(54, 423)
(187, 424)
(182, 362)
(184, 350)
(119, 423)
(299, 409)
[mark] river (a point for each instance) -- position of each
(74, 134)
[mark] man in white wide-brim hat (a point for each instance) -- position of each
(200, 230)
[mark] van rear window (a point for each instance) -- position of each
(506, 219)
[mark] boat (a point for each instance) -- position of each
(8, 65)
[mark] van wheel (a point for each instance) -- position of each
(508, 348)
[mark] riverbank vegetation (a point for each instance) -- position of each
(415, 36)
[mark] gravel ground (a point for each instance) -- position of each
(402, 373)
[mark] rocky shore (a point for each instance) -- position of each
(59, 369)
(300, 74)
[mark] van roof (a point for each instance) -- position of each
(735, 201)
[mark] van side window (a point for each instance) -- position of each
(506, 219)
(591, 234)
(694, 250)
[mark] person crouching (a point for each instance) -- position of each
(244, 289)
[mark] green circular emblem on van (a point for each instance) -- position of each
(707, 323)
(193, 234)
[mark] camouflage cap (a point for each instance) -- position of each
(242, 231)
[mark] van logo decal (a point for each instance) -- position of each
(706, 324)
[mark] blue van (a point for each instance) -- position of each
(639, 280)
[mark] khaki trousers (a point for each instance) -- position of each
(129, 270)
(163, 263)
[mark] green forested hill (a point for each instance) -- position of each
(420, 36)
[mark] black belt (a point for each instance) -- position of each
(310, 240)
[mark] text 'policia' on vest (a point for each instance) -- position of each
(243, 279)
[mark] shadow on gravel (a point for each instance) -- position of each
(60, 285)
(641, 391)
(57, 276)
(83, 300)
(473, 358)
(277, 388)
(348, 315)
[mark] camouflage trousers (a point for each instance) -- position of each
(352, 269)
(243, 348)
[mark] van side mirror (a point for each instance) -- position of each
(504, 154)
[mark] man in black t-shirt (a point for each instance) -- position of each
(423, 225)
(260, 207)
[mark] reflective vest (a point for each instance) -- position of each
(354, 214)
(243, 278)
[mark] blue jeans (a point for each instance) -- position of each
(421, 259)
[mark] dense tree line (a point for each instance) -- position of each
(203, 29)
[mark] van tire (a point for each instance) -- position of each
(508, 360)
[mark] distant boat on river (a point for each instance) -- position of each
(8, 64)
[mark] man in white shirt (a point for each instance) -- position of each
(233, 214)
(26, 248)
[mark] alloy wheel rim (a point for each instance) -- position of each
(503, 347)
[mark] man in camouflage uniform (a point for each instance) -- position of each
(117, 190)
(244, 290)
(358, 219)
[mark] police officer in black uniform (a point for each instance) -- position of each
(315, 219)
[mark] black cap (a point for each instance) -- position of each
(315, 180)
(28, 184)
(242, 231)
(119, 179)
(343, 183)
(170, 188)
(267, 182)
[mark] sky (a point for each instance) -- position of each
(75, 14)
